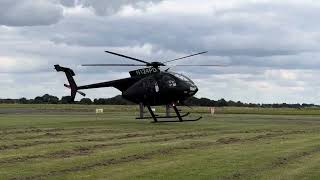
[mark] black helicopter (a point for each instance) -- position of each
(148, 86)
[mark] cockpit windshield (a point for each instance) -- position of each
(183, 78)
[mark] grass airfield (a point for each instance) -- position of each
(70, 142)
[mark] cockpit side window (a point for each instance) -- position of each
(169, 81)
(183, 78)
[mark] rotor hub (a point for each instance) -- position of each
(156, 64)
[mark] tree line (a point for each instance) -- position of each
(49, 99)
(193, 101)
(118, 100)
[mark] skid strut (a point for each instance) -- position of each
(152, 114)
(176, 110)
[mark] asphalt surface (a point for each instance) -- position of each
(18, 111)
(35, 111)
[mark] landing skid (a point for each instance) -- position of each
(164, 117)
(179, 116)
(188, 120)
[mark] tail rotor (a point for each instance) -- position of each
(72, 84)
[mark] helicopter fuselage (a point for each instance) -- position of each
(150, 87)
(160, 88)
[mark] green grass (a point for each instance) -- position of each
(120, 108)
(68, 142)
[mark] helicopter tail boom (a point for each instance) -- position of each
(120, 84)
(72, 84)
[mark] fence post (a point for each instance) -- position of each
(167, 110)
(141, 108)
(212, 110)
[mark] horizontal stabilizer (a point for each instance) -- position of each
(69, 87)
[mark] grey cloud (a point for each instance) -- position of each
(251, 38)
(108, 7)
(244, 31)
(29, 13)
(68, 3)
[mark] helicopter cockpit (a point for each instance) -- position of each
(185, 79)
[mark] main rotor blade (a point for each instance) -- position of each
(121, 55)
(185, 57)
(112, 65)
(215, 65)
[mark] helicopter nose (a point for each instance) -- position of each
(193, 90)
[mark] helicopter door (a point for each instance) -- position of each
(156, 87)
(151, 86)
(152, 89)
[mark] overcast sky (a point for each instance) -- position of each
(271, 47)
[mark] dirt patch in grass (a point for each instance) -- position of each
(130, 158)
(271, 135)
(46, 135)
(53, 135)
(43, 133)
(139, 135)
(108, 162)
(29, 130)
(82, 151)
(280, 161)
(18, 146)
(174, 137)
(35, 143)
(19, 159)
(231, 140)
(277, 163)
(228, 140)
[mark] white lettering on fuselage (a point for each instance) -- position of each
(156, 87)
(146, 71)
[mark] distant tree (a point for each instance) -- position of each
(117, 100)
(50, 99)
(85, 101)
(99, 101)
(192, 101)
(38, 100)
(205, 102)
(231, 103)
(8, 101)
(23, 101)
(65, 100)
(296, 106)
(252, 105)
(221, 103)
(239, 104)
